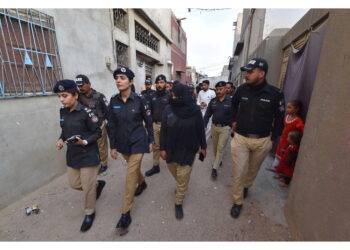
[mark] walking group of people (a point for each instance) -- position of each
(172, 122)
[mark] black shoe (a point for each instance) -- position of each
(179, 213)
(140, 188)
(236, 210)
(245, 192)
(152, 171)
(102, 169)
(214, 173)
(87, 223)
(101, 184)
(124, 221)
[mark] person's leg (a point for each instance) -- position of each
(223, 135)
(172, 169)
(259, 150)
(133, 177)
(182, 179)
(88, 176)
(240, 156)
(74, 181)
(102, 143)
(215, 133)
(156, 152)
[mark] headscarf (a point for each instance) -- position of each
(183, 106)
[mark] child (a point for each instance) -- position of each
(285, 168)
(291, 122)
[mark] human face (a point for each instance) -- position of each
(229, 89)
(168, 86)
(148, 86)
(68, 99)
(160, 85)
(291, 110)
(123, 82)
(85, 88)
(220, 91)
(255, 76)
(205, 86)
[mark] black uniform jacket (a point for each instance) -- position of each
(127, 133)
(181, 138)
(97, 102)
(81, 121)
(258, 110)
(147, 94)
(159, 100)
(221, 111)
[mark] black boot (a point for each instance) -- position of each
(214, 173)
(87, 223)
(245, 192)
(124, 221)
(179, 214)
(102, 169)
(101, 184)
(236, 210)
(140, 188)
(152, 171)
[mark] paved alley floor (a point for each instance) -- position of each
(206, 209)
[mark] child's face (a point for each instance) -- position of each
(291, 110)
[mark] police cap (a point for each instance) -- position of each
(81, 79)
(256, 63)
(220, 84)
(124, 71)
(148, 82)
(160, 78)
(65, 86)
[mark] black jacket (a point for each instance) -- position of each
(147, 94)
(181, 138)
(221, 111)
(127, 133)
(81, 121)
(159, 100)
(258, 110)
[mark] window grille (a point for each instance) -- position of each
(29, 58)
(148, 69)
(120, 19)
(122, 55)
(144, 36)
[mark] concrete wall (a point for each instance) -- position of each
(318, 205)
(29, 126)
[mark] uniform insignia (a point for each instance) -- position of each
(61, 120)
(60, 87)
(123, 70)
(133, 110)
(116, 107)
(154, 98)
(148, 112)
(244, 98)
(94, 118)
(105, 100)
(170, 115)
(214, 102)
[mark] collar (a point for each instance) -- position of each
(92, 93)
(131, 96)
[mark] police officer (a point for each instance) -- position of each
(182, 135)
(258, 110)
(159, 100)
(98, 103)
(80, 131)
(220, 109)
(126, 113)
(147, 93)
(230, 89)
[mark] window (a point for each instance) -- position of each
(29, 59)
(144, 36)
(122, 55)
(120, 19)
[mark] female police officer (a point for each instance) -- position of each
(80, 131)
(126, 113)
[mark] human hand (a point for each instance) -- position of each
(59, 144)
(114, 154)
(163, 154)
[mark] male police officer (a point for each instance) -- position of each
(98, 103)
(220, 108)
(230, 89)
(258, 110)
(148, 91)
(159, 100)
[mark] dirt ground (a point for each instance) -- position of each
(206, 209)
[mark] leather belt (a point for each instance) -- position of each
(255, 136)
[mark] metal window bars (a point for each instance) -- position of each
(29, 58)
(147, 38)
(122, 55)
(120, 19)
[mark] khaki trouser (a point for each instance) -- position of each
(220, 137)
(156, 152)
(103, 145)
(84, 179)
(247, 156)
(182, 177)
(133, 177)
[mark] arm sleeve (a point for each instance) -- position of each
(93, 127)
(279, 116)
(235, 105)
(104, 105)
(300, 125)
(163, 131)
(146, 113)
(200, 130)
(199, 98)
(111, 128)
(61, 135)
(208, 114)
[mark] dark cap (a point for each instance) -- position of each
(220, 84)
(81, 79)
(65, 86)
(148, 82)
(191, 86)
(160, 78)
(256, 63)
(124, 71)
(206, 81)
